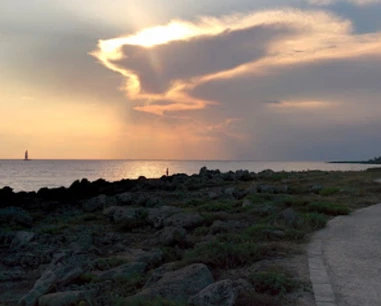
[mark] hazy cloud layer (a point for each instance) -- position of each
(301, 79)
(265, 79)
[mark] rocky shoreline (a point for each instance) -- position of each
(179, 240)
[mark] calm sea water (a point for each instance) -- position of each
(35, 174)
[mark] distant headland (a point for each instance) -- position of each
(373, 161)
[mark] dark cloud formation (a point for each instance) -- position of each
(160, 65)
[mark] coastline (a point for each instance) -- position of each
(109, 243)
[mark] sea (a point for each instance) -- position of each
(34, 174)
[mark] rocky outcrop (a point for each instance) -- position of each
(168, 236)
(48, 281)
(15, 215)
(129, 217)
(156, 216)
(225, 226)
(180, 285)
(123, 272)
(184, 220)
(22, 238)
(66, 298)
(221, 293)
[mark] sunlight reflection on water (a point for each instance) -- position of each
(35, 174)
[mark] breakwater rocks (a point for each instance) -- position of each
(136, 241)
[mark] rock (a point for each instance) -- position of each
(225, 226)
(129, 217)
(213, 195)
(283, 189)
(275, 234)
(66, 298)
(266, 173)
(6, 238)
(266, 189)
(16, 215)
(156, 216)
(153, 202)
(151, 258)
(170, 236)
(231, 191)
(316, 188)
(96, 203)
(180, 285)
(48, 280)
(125, 198)
(252, 189)
(247, 203)
(13, 275)
(289, 218)
(21, 239)
(221, 293)
(243, 175)
(185, 220)
(242, 286)
(159, 273)
(125, 271)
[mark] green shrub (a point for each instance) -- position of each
(273, 283)
(145, 301)
(327, 191)
(214, 206)
(327, 208)
(201, 231)
(228, 254)
(104, 264)
(85, 278)
(315, 221)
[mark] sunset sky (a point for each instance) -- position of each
(190, 79)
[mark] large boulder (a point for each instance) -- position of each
(289, 218)
(180, 285)
(68, 298)
(15, 215)
(221, 293)
(126, 216)
(219, 226)
(185, 220)
(156, 216)
(125, 198)
(125, 271)
(151, 257)
(22, 238)
(16, 274)
(168, 236)
(50, 279)
(98, 203)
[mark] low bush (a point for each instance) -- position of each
(273, 283)
(327, 208)
(327, 191)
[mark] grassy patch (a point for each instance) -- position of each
(201, 231)
(327, 208)
(145, 301)
(328, 191)
(233, 251)
(315, 221)
(54, 229)
(253, 298)
(273, 283)
(104, 264)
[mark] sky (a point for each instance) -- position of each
(190, 79)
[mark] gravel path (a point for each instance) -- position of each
(345, 260)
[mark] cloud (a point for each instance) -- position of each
(163, 62)
(254, 82)
(355, 2)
